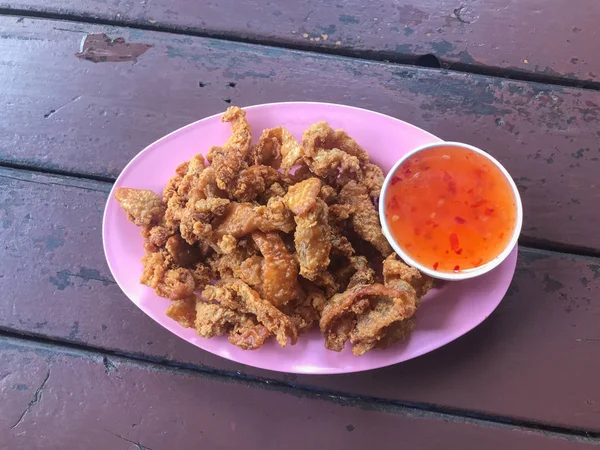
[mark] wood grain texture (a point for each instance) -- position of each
(127, 405)
(535, 358)
(547, 37)
(68, 114)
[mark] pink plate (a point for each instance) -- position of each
(445, 314)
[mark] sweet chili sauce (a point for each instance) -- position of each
(450, 209)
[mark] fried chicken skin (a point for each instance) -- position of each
(279, 270)
(266, 240)
(143, 207)
(238, 296)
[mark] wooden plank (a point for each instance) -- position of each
(45, 405)
(69, 114)
(535, 358)
(537, 37)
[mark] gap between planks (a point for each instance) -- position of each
(108, 358)
(368, 55)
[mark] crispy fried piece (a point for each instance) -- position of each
(276, 216)
(337, 157)
(275, 190)
(327, 163)
(225, 266)
(155, 238)
(394, 269)
(203, 275)
(228, 161)
(313, 241)
(242, 329)
(173, 184)
(195, 221)
(268, 149)
(227, 244)
(277, 147)
(317, 136)
(372, 325)
(155, 268)
(183, 254)
(175, 211)
(363, 273)
(326, 281)
(168, 281)
(306, 310)
(239, 220)
(396, 332)
(302, 196)
(241, 134)
(301, 173)
(205, 187)
(280, 269)
(194, 231)
(365, 219)
(362, 314)
(143, 207)
(254, 181)
(242, 219)
(321, 136)
(373, 179)
(195, 167)
(340, 244)
(328, 194)
(170, 188)
(251, 272)
(249, 269)
(237, 295)
(214, 320)
(247, 334)
(183, 311)
(177, 284)
(338, 213)
(207, 209)
(348, 145)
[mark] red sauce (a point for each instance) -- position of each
(450, 209)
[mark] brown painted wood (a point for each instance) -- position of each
(535, 358)
(65, 113)
(126, 405)
(547, 37)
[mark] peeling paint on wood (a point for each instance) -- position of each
(539, 37)
(101, 48)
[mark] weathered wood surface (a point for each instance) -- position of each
(547, 37)
(46, 405)
(535, 358)
(65, 113)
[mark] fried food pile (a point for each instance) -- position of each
(277, 236)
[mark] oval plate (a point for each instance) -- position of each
(445, 314)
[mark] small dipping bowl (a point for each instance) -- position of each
(451, 210)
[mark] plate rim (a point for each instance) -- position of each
(233, 358)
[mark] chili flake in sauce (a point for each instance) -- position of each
(456, 209)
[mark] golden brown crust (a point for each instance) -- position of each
(143, 207)
(278, 236)
(238, 296)
(302, 196)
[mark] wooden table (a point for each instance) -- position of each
(82, 367)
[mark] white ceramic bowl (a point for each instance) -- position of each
(428, 270)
